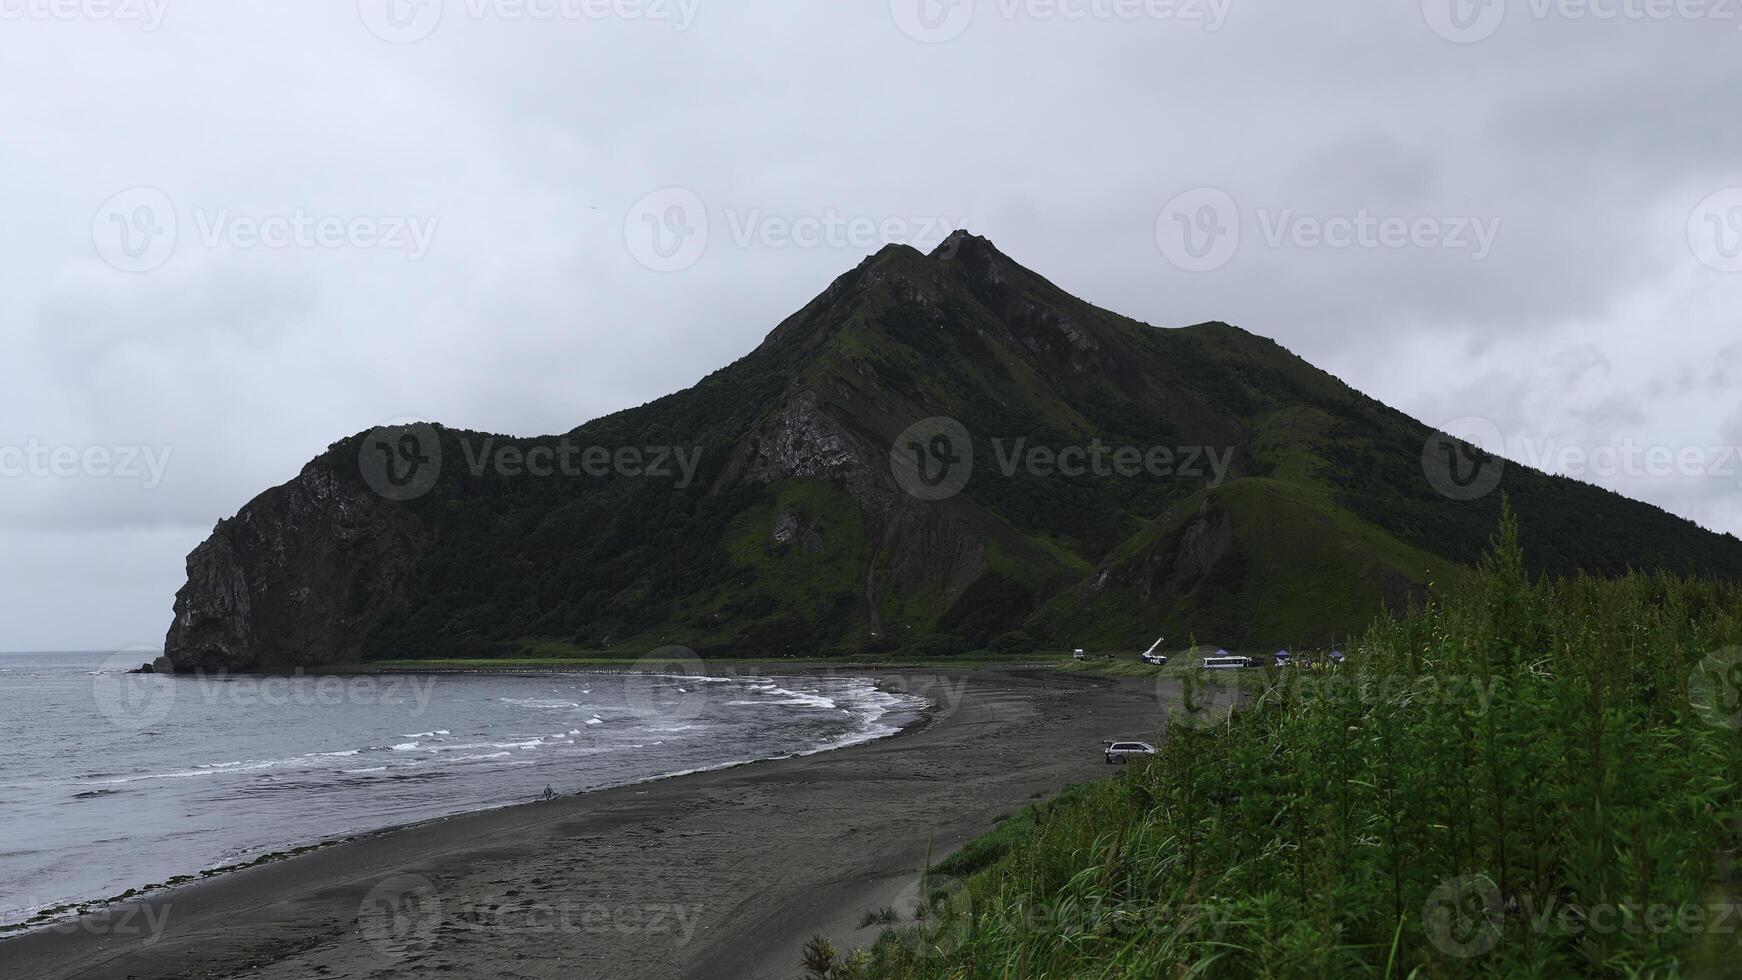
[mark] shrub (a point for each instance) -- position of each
(1513, 782)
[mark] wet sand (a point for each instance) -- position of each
(713, 875)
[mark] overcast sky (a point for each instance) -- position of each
(238, 230)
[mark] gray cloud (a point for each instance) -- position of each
(524, 147)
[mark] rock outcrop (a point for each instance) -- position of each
(295, 580)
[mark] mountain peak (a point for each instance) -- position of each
(963, 241)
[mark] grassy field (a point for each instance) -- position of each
(1531, 778)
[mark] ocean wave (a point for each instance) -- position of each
(782, 697)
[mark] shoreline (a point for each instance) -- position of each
(756, 853)
(73, 910)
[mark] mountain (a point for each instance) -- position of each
(938, 453)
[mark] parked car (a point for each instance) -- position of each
(1119, 752)
(1284, 658)
(1078, 654)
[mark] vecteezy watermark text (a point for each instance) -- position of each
(670, 229)
(1466, 457)
(678, 463)
(410, 234)
(1203, 229)
(138, 229)
(403, 460)
(38, 460)
(404, 913)
(566, 916)
(143, 922)
(137, 701)
(933, 459)
(938, 21)
(1466, 916)
(409, 21)
(1101, 460)
(1470, 21)
(148, 14)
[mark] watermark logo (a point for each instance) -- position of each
(667, 231)
(1462, 917)
(933, 21)
(400, 21)
(1715, 230)
(401, 915)
(669, 683)
(135, 230)
(1198, 702)
(1464, 21)
(1461, 459)
(401, 460)
(1199, 230)
(131, 701)
(933, 459)
(1715, 689)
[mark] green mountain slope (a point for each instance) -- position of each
(1098, 481)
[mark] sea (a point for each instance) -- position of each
(112, 781)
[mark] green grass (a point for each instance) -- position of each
(1525, 779)
(1295, 570)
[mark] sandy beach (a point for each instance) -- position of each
(713, 875)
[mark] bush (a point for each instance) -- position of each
(1515, 782)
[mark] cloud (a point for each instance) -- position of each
(522, 145)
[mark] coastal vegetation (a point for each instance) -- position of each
(1532, 776)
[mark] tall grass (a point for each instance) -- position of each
(1530, 778)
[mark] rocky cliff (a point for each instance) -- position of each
(296, 579)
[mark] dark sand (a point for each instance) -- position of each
(715, 875)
